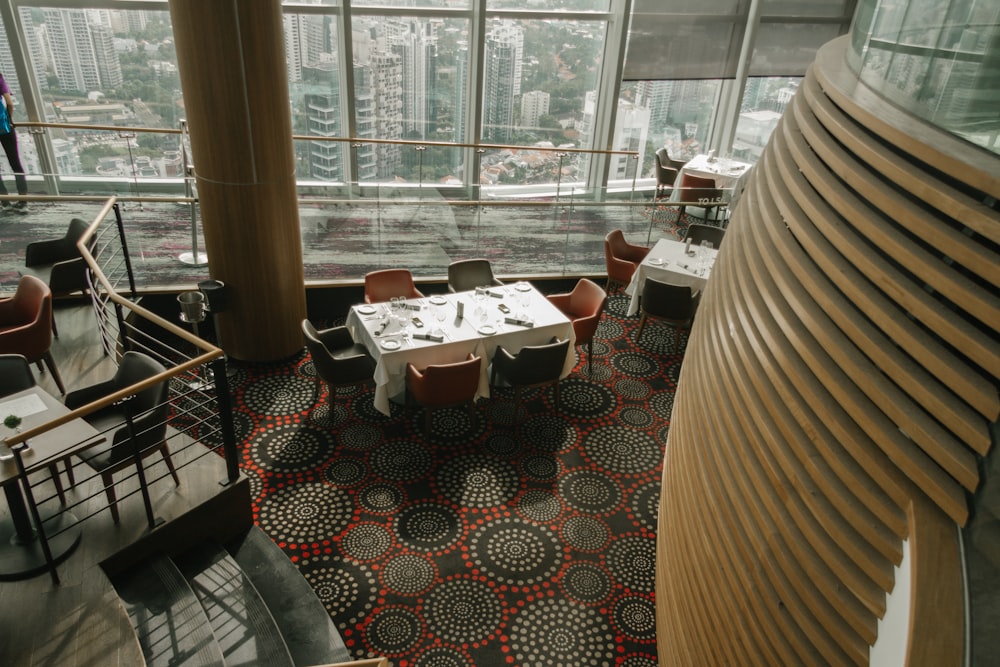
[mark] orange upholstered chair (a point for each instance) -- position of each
(695, 189)
(26, 325)
(583, 305)
(382, 286)
(622, 258)
(443, 386)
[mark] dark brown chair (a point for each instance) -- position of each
(532, 366)
(701, 192)
(58, 263)
(148, 408)
(672, 304)
(15, 376)
(666, 172)
(339, 361)
(382, 286)
(26, 325)
(444, 386)
(468, 274)
(698, 233)
(621, 258)
(583, 305)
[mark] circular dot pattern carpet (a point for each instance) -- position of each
(527, 538)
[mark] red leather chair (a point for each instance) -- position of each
(695, 189)
(444, 386)
(621, 258)
(26, 325)
(382, 286)
(584, 305)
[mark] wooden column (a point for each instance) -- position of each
(232, 65)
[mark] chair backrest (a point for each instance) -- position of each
(666, 173)
(698, 233)
(149, 406)
(667, 301)
(586, 301)
(136, 367)
(445, 384)
(536, 364)
(15, 374)
(468, 274)
(382, 286)
(694, 188)
(333, 367)
(27, 320)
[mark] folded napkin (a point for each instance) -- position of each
(429, 336)
(522, 323)
(413, 306)
(495, 295)
(381, 327)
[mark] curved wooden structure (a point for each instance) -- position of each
(837, 393)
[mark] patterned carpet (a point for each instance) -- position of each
(524, 539)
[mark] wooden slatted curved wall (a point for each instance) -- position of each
(837, 392)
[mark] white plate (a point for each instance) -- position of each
(522, 287)
(438, 300)
(366, 309)
(389, 344)
(486, 330)
(656, 261)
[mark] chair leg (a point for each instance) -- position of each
(54, 473)
(642, 324)
(109, 489)
(55, 331)
(69, 472)
(165, 452)
(51, 363)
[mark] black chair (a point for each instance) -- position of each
(468, 274)
(698, 233)
(672, 304)
(339, 361)
(58, 263)
(532, 366)
(148, 408)
(666, 172)
(15, 376)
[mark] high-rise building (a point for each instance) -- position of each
(82, 53)
(502, 80)
(417, 50)
(534, 105)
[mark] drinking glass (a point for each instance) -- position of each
(439, 315)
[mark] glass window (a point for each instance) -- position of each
(107, 67)
(764, 101)
(550, 5)
(410, 82)
(539, 90)
(314, 91)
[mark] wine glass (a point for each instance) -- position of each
(439, 314)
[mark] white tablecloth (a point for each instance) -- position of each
(667, 262)
(724, 172)
(461, 336)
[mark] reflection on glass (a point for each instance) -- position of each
(936, 59)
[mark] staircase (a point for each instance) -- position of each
(238, 603)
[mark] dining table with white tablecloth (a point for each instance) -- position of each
(668, 261)
(724, 172)
(394, 339)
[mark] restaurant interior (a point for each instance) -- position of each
(733, 413)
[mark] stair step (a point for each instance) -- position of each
(239, 617)
(170, 623)
(309, 632)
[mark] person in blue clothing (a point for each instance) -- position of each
(8, 137)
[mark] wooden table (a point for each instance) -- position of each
(461, 336)
(21, 553)
(667, 262)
